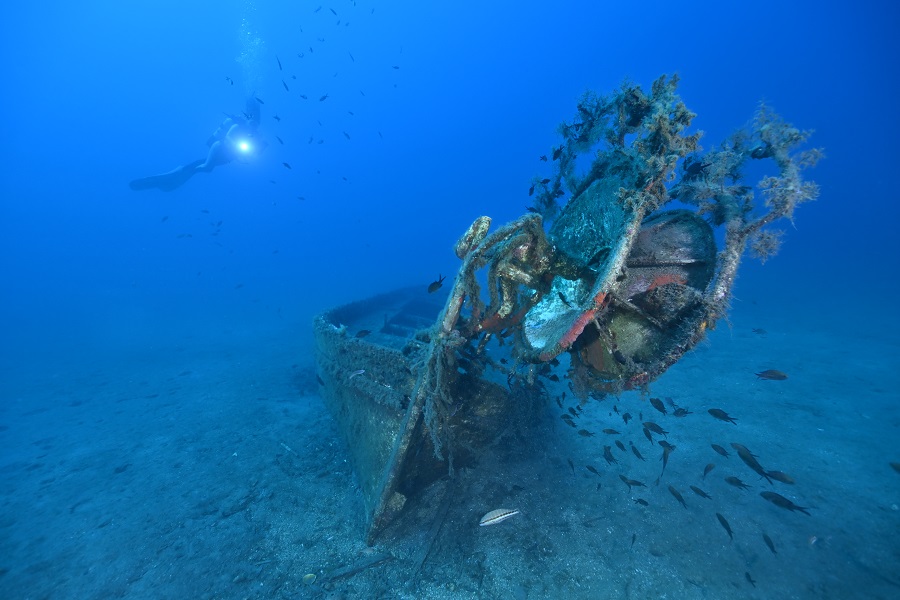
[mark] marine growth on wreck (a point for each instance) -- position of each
(609, 279)
(616, 263)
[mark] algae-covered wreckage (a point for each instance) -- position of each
(626, 258)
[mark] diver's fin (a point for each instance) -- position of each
(167, 181)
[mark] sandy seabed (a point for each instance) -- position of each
(213, 470)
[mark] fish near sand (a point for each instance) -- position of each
(721, 415)
(769, 543)
(725, 525)
(782, 502)
(496, 516)
(700, 492)
(631, 482)
(607, 454)
(678, 496)
(782, 477)
(655, 428)
(772, 375)
(720, 450)
(737, 483)
(636, 451)
(750, 460)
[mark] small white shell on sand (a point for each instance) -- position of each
(495, 516)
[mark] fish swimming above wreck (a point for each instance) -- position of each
(624, 262)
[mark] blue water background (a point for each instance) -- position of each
(99, 93)
(111, 300)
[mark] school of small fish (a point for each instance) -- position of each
(652, 431)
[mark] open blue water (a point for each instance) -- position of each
(160, 430)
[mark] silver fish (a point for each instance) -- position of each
(495, 516)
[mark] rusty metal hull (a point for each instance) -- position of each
(370, 385)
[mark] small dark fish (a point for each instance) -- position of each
(615, 409)
(164, 219)
(750, 460)
(586, 433)
(303, 96)
(678, 496)
(720, 450)
(280, 141)
(708, 468)
(323, 98)
(782, 502)
(568, 421)
(362, 333)
(633, 538)
(557, 152)
(681, 412)
(553, 377)
(598, 487)
(229, 80)
(749, 579)
(610, 432)
(635, 451)
(332, 11)
(620, 358)
(641, 501)
(721, 415)
(351, 57)
(545, 181)
(658, 405)
(772, 375)
(287, 165)
(277, 118)
(655, 428)
(593, 470)
(531, 191)
(279, 62)
(737, 483)
(725, 524)
(700, 492)
(769, 543)
(395, 66)
(620, 445)
(436, 285)
(319, 380)
(626, 417)
(667, 450)
(607, 454)
(571, 465)
(543, 158)
(648, 435)
(573, 412)
(631, 482)
(258, 99)
(286, 88)
(759, 331)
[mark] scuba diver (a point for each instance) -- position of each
(234, 139)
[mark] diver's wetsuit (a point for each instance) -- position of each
(223, 148)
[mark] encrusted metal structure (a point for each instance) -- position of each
(617, 266)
